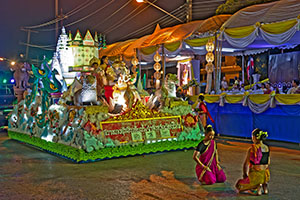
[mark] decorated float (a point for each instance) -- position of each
(101, 114)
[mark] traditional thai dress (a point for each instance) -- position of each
(108, 89)
(208, 158)
(99, 81)
(204, 116)
(255, 177)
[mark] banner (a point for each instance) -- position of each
(140, 130)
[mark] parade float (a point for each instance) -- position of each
(87, 122)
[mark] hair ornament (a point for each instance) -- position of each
(261, 133)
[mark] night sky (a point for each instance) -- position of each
(15, 14)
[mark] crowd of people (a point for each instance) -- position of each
(263, 88)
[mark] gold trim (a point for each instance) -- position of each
(166, 137)
(210, 161)
(144, 119)
(206, 147)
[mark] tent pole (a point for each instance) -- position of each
(216, 63)
(138, 56)
(243, 68)
(163, 63)
(220, 65)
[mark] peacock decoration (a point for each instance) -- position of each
(45, 80)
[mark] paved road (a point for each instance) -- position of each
(27, 173)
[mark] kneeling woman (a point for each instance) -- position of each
(256, 166)
(208, 169)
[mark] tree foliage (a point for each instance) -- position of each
(232, 6)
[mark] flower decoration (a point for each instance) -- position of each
(190, 120)
(138, 111)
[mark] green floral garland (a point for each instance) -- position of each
(79, 155)
(232, 6)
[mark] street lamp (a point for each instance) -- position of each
(12, 62)
(159, 8)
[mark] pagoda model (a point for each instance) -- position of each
(73, 54)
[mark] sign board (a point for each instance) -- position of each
(139, 130)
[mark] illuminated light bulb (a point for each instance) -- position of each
(210, 46)
(209, 57)
(157, 57)
(157, 66)
(134, 61)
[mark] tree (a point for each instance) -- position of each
(232, 6)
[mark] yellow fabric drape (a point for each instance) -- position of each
(234, 98)
(288, 98)
(149, 50)
(247, 87)
(211, 98)
(105, 52)
(198, 42)
(194, 98)
(120, 48)
(131, 50)
(172, 46)
(240, 32)
(259, 98)
(279, 27)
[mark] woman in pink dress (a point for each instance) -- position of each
(208, 169)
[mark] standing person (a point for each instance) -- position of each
(208, 169)
(240, 82)
(236, 82)
(98, 73)
(224, 84)
(108, 78)
(256, 174)
(203, 111)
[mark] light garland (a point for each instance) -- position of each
(209, 66)
(209, 56)
(134, 63)
(157, 67)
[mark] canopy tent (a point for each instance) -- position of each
(116, 49)
(188, 33)
(172, 34)
(127, 48)
(264, 25)
(171, 37)
(260, 26)
(130, 50)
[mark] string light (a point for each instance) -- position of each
(157, 67)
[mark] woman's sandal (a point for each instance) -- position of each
(259, 190)
(265, 188)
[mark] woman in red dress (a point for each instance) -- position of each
(107, 78)
(203, 111)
